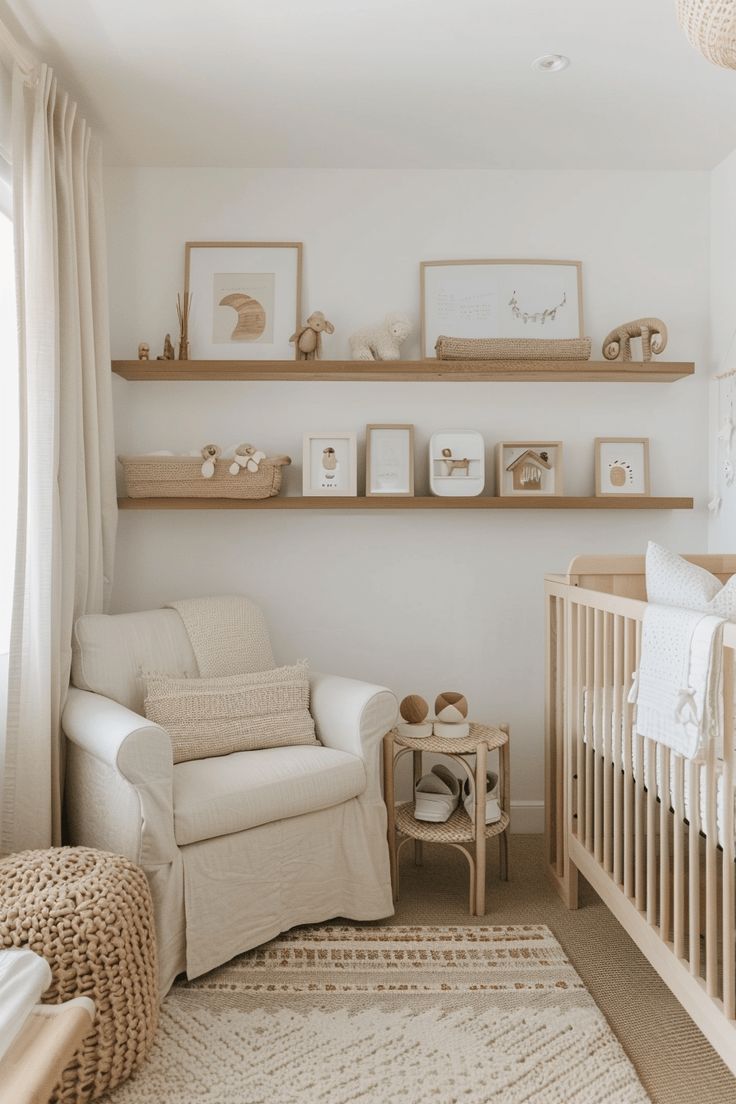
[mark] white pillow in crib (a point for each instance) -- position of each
(673, 581)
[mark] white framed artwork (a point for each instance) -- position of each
(501, 299)
(529, 468)
(621, 466)
(329, 466)
(246, 299)
(389, 459)
(457, 463)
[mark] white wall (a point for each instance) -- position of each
(420, 601)
(722, 526)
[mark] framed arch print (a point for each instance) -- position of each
(246, 299)
(622, 466)
(500, 299)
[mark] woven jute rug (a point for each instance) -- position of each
(333, 1015)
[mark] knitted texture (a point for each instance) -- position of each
(228, 634)
(181, 477)
(208, 717)
(513, 348)
(89, 914)
(710, 25)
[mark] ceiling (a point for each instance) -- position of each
(388, 83)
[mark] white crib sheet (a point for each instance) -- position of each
(592, 724)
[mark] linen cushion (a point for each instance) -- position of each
(216, 797)
(219, 716)
(674, 581)
(110, 651)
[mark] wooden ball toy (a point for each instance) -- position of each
(451, 707)
(414, 709)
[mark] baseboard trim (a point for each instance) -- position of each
(527, 817)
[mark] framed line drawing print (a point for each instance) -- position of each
(622, 466)
(246, 299)
(329, 465)
(389, 460)
(501, 299)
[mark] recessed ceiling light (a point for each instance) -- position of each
(551, 63)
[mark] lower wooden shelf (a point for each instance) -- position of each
(570, 502)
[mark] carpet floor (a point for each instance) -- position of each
(346, 1014)
(672, 1058)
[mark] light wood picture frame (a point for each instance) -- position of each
(529, 469)
(389, 460)
(330, 465)
(500, 298)
(622, 467)
(246, 299)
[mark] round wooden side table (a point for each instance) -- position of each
(460, 829)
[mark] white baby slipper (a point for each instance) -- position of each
(436, 795)
(493, 809)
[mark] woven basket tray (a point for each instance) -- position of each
(512, 348)
(181, 477)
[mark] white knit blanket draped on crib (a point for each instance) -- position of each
(678, 687)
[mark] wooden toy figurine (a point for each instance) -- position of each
(451, 711)
(414, 712)
(308, 340)
(144, 351)
(455, 465)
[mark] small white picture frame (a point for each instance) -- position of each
(329, 466)
(529, 469)
(622, 466)
(389, 460)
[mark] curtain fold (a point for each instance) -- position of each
(67, 508)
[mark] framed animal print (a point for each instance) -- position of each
(329, 465)
(622, 466)
(246, 299)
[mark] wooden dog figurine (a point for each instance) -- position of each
(455, 465)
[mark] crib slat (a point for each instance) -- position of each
(664, 845)
(711, 873)
(598, 735)
(729, 995)
(589, 727)
(616, 750)
(651, 776)
(608, 759)
(628, 771)
(693, 869)
(640, 800)
(678, 871)
(559, 736)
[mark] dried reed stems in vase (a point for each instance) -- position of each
(183, 303)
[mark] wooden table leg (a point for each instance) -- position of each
(481, 759)
(504, 757)
(389, 798)
(418, 851)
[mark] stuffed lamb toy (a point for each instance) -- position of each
(382, 342)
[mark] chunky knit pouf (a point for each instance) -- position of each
(89, 914)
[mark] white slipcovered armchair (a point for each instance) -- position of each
(236, 848)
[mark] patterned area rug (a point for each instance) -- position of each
(377, 1015)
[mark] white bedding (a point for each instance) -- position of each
(592, 724)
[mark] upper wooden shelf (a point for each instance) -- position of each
(377, 502)
(403, 371)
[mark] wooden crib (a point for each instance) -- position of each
(652, 832)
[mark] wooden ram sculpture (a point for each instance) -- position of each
(653, 334)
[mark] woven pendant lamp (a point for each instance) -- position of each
(710, 26)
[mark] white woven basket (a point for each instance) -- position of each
(181, 477)
(710, 25)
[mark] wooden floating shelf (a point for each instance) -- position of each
(407, 371)
(616, 502)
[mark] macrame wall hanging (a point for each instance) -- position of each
(710, 25)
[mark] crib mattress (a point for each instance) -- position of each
(666, 788)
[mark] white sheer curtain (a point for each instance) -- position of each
(66, 502)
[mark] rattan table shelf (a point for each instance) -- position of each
(460, 830)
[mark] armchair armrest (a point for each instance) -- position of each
(138, 754)
(354, 716)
